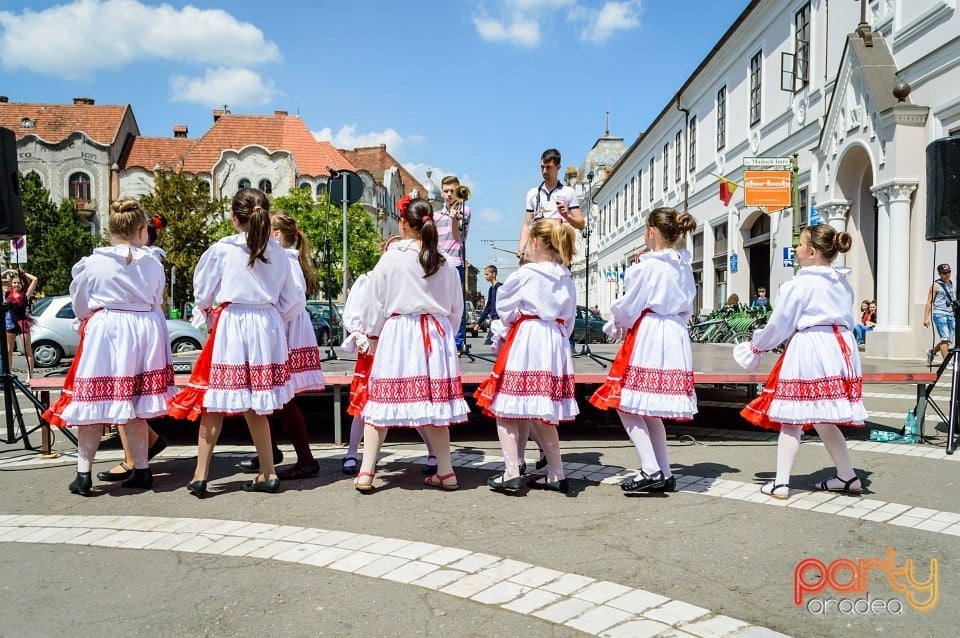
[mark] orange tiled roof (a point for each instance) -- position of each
(148, 152)
(56, 122)
(277, 132)
(376, 160)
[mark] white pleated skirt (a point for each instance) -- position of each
(538, 381)
(249, 368)
(415, 378)
(816, 383)
(659, 378)
(306, 370)
(124, 372)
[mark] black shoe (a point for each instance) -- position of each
(142, 479)
(82, 484)
(505, 485)
(644, 482)
(109, 476)
(553, 486)
(541, 462)
(669, 485)
(523, 468)
(430, 470)
(297, 471)
(350, 469)
(252, 464)
(270, 487)
(197, 488)
(158, 446)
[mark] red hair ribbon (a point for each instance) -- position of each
(403, 203)
(426, 218)
(158, 221)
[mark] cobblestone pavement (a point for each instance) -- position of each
(716, 558)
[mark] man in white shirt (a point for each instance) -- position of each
(551, 199)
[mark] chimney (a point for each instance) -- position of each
(86, 101)
(4, 99)
(218, 113)
(281, 113)
(179, 130)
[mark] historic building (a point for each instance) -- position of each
(856, 99)
(74, 148)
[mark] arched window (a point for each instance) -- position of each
(305, 186)
(80, 188)
(265, 186)
(243, 183)
(321, 189)
(27, 123)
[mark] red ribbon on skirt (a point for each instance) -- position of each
(607, 395)
(54, 414)
(359, 386)
(188, 403)
(487, 390)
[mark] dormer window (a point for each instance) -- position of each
(265, 186)
(27, 123)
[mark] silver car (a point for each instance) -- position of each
(53, 337)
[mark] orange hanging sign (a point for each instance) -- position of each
(769, 189)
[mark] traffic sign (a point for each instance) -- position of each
(765, 162)
(18, 250)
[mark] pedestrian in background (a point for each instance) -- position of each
(490, 309)
(940, 306)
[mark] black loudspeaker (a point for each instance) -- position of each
(11, 208)
(943, 189)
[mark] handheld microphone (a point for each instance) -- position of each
(334, 173)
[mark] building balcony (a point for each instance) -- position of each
(86, 208)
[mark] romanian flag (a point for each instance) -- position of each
(727, 189)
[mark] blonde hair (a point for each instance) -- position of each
(126, 218)
(560, 238)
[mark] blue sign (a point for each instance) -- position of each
(734, 262)
(788, 257)
(814, 215)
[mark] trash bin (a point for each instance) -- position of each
(175, 313)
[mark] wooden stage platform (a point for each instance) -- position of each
(713, 366)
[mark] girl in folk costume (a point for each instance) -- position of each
(306, 372)
(652, 375)
(817, 382)
(121, 373)
(243, 368)
(532, 385)
(157, 442)
(414, 306)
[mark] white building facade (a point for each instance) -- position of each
(856, 108)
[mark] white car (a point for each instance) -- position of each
(53, 337)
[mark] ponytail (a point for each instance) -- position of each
(418, 215)
(309, 273)
(252, 210)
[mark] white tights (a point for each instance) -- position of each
(88, 441)
(650, 438)
(789, 444)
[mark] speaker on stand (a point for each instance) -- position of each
(943, 224)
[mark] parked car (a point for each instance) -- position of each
(334, 320)
(53, 337)
(471, 326)
(321, 328)
(596, 326)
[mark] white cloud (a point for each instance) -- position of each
(348, 138)
(87, 35)
(489, 215)
(519, 29)
(230, 86)
(611, 17)
(523, 22)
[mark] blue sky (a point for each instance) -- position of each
(477, 88)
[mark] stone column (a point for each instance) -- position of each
(893, 248)
(835, 213)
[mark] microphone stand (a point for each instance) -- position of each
(585, 351)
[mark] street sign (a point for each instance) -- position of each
(814, 215)
(18, 250)
(734, 262)
(766, 162)
(354, 187)
(788, 257)
(767, 188)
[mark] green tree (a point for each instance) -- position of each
(194, 223)
(319, 219)
(56, 236)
